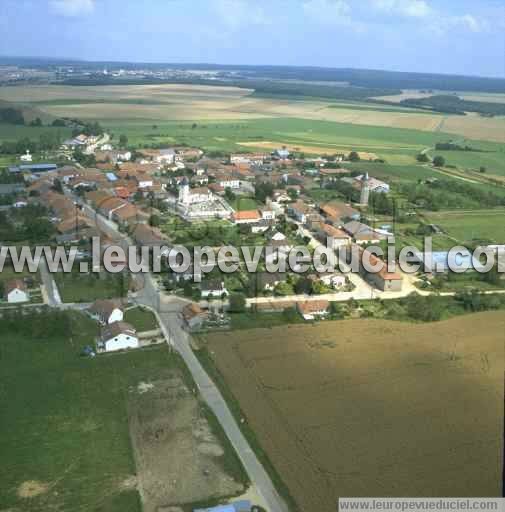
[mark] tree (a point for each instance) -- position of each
(187, 289)
(123, 140)
(354, 157)
(439, 161)
(303, 286)
(154, 221)
(58, 123)
(57, 186)
(36, 122)
(237, 303)
(482, 169)
(422, 158)
(228, 194)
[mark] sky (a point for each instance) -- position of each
(440, 36)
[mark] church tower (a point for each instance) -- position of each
(365, 190)
(184, 191)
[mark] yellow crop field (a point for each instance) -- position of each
(372, 407)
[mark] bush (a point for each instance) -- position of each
(237, 303)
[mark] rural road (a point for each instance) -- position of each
(168, 312)
(52, 293)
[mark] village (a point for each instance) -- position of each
(181, 196)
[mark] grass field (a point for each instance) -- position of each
(472, 225)
(241, 203)
(373, 408)
(65, 436)
(141, 318)
(76, 287)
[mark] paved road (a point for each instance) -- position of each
(168, 312)
(52, 293)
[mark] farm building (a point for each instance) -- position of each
(246, 217)
(16, 292)
(312, 309)
(194, 315)
(106, 311)
(117, 336)
(34, 168)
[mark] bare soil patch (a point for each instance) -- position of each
(374, 408)
(178, 457)
(32, 488)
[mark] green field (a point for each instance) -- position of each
(241, 203)
(472, 225)
(12, 132)
(65, 425)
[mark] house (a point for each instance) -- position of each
(339, 213)
(16, 292)
(381, 279)
(338, 236)
(111, 205)
(146, 235)
(129, 214)
(117, 336)
(267, 281)
(229, 182)
(267, 213)
(246, 217)
(213, 288)
(281, 153)
(106, 311)
(362, 233)
(375, 185)
(336, 281)
(194, 315)
(312, 309)
(299, 211)
(261, 226)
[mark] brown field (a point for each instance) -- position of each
(178, 458)
(374, 408)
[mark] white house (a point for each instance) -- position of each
(229, 182)
(15, 292)
(118, 336)
(213, 288)
(106, 312)
(336, 281)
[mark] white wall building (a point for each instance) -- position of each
(118, 336)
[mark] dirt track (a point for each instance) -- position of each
(374, 408)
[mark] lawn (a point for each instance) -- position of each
(65, 425)
(76, 287)
(241, 203)
(141, 318)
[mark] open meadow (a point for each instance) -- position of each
(373, 407)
